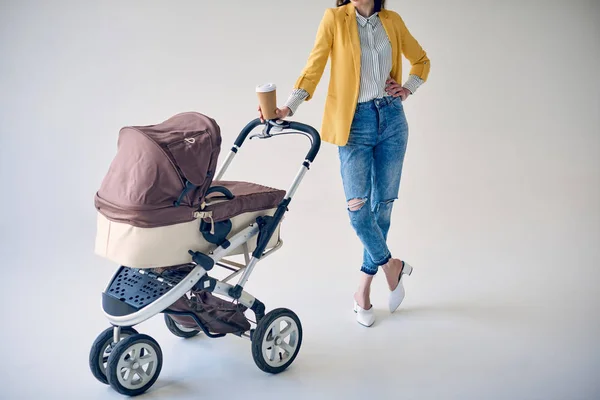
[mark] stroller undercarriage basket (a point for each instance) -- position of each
(216, 315)
(133, 289)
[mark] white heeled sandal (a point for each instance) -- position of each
(364, 317)
(397, 295)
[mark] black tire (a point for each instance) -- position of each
(121, 353)
(101, 349)
(263, 330)
(177, 331)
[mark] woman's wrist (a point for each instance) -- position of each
(296, 98)
(412, 83)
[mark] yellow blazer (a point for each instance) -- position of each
(338, 37)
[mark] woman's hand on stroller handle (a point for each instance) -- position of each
(282, 113)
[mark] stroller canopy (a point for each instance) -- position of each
(152, 168)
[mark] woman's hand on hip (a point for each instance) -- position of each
(393, 88)
(282, 113)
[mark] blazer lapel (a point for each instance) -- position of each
(352, 30)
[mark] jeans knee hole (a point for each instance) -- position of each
(356, 204)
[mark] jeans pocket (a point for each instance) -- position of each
(397, 103)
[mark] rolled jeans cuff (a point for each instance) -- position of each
(372, 269)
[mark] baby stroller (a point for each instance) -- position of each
(167, 218)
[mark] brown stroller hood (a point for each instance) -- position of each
(153, 167)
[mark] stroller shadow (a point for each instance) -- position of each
(169, 389)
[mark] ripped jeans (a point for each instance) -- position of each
(371, 166)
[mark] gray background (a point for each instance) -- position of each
(498, 211)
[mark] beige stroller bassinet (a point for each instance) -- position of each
(155, 203)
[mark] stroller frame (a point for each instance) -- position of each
(123, 316)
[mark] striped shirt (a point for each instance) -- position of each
(376, 64)
(375, 57)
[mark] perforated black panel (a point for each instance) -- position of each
(138, 289)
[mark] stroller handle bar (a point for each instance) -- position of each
(277, 125)
(275, 128)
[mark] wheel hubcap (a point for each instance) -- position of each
(280, 342)
(137, 365)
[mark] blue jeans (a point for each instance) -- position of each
(371, 166)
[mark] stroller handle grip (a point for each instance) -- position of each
(315, 138)
(311, 132)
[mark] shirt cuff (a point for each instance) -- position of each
(295, 99)
(413, 83)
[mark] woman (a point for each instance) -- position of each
(364, 116)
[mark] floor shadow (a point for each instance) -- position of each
(168, 389)
(479, 309)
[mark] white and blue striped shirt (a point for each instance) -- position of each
(376, 64)
(375, 57)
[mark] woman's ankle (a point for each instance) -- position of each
(363, 293)
(363, 300)
(392, 271)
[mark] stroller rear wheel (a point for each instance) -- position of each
(179, 330)
(101, 349)
(276, 340)
(134, 365)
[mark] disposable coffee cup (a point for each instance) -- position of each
(267, 99)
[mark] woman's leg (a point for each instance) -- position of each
(387, 171)
(356, 161)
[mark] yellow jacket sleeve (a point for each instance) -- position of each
(317, 60)
(414, 53)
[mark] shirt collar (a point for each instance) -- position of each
(373, 19)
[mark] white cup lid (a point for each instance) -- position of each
(266, 87)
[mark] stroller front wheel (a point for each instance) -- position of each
(134, 365)
(277, 340)
(101, 349)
